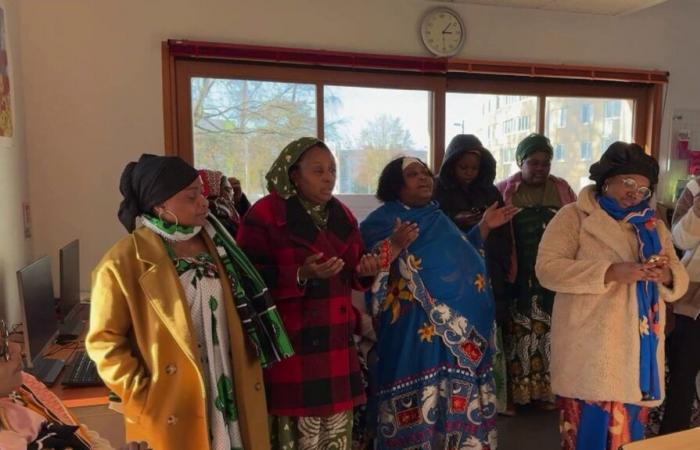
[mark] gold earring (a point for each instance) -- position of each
(167, 211)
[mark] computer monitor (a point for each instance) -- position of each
(38, 307)
(69, 258)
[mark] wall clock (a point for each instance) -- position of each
(442, 32)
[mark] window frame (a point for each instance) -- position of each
(182, 60)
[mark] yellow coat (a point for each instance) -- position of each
(141, 339)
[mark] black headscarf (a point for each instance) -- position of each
(150, 181)
(624, 158)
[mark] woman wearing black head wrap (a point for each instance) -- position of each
(612, 265)
(181, 322)
(464, 189)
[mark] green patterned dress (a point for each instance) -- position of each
(528, 335)
(200, 280)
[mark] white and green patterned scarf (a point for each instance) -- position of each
(259, 316)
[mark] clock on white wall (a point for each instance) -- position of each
(442, 32)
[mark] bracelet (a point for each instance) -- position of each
(299, 282)
(385, 253)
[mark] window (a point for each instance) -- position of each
(509, 126)
(233, 108)
(523, 123)
(559, 154)
(586, 113)
(560, 118)
(368, 127)
(499, 131)
(508, 155)
(584, 140)
(240, 126)
(607, 142)
(612, 109)
(609, 126)
(586, 151)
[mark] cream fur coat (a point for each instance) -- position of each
(595, 326)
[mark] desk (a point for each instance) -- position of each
(683, 440)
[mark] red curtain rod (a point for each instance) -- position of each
(239, 52)
(557, 71)
(209, 50)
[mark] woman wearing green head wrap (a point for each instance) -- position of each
(527, 337)
(307, 246)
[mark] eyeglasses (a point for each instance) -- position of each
(5, 349)
(631, 186)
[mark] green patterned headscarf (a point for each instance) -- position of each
(278, 177)
(532, 144)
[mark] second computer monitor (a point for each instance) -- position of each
(69, 257)
(38, 306)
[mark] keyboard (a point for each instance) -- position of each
(46, 370)
(83, 372)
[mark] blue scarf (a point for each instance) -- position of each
(452, 282)
(643, 218)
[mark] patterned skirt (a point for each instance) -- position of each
(528, 343)
(599, 425)
(312, 433)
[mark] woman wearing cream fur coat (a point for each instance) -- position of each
(612, 266)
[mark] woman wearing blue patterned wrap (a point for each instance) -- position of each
(435, 319)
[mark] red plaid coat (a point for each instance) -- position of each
(323, 377)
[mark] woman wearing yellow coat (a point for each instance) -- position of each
(181, 322)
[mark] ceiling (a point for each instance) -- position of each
(603, 7)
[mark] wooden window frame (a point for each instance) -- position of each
(182, 60)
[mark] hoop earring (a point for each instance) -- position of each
(167, 211)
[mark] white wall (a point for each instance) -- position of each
(92, 72)
(14, 248)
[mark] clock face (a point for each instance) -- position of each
(442, 32)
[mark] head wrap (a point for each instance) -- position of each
(624, 158)
(408, 160)
(278, 176)
(532, 144)
(150, 181)
(218, 190)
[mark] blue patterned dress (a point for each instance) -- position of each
(432, 383)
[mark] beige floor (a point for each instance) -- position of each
(109, 424)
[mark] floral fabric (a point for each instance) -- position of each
(433, 381)
(312, 433)
(599, 425)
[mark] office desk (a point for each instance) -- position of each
(683, 440)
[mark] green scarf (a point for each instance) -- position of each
(169, 231)
(259, 316)
(278, 177)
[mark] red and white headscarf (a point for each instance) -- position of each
(219, 192)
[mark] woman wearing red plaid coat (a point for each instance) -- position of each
(307, 246)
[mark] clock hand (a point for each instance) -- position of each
(446, 28)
